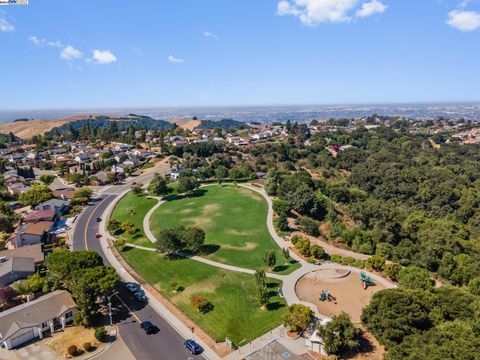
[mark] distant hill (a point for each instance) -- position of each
(26, 129)
(138, 122)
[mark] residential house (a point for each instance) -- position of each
(64, 194)
(40, 215)
(15, 268)
(120, 168)
(60, 206)
(30, 234)
(32, 251)
(32, 319)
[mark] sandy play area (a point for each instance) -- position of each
(345, 287)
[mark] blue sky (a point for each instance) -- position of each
(93, 54)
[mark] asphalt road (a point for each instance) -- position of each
(167, 344)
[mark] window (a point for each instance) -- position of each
(44, 325)
(68, 314)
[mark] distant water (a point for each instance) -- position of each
(469, 111)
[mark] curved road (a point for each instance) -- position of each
(167, 344)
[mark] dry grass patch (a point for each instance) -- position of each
(247, 247)
(74, 335)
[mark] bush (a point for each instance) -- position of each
(336, 258)
(392, 271)
(200, 303)
(87, 347)
(72, 350)
(348, 260)
(317, 252)
(281, 206)
(360, 264)
(101, 333)
(303, 245)
(309, 226)
(376, 263)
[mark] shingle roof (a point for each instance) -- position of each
(38, 215)
(17, 264)
(35, 312)
(30, 251)
(36, 229)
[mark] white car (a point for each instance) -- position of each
(133, 287)
(140, 295)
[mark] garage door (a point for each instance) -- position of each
(21, 337)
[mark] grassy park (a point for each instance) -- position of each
(133, 208)
(234, 220)
(236, 312)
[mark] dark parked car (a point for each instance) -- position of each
(148, 327)
(193, 347)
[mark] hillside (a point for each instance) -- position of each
(26, 129)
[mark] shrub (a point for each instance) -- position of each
(317, 252)
(72, 350)
(101, 333)
(303, 245)
(392, 271)
(295, 239)
(348, 260)
(336, 258)
(87, 347)
(360, 264)
(281, 206)
(200, 303)
(376, 263)
(309, 226)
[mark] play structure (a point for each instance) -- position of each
(366, 280)
(326, 296)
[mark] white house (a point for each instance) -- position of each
(33, 319)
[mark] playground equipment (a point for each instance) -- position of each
(366, 280)
(324, 295)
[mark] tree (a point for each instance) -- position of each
(32, 284)
(128, 227)
(170, 240)
(270, 259)
(38, 194)
(395, 313)
(298, 317)
(194, 237)
(282, 222)
(47, 179)
(281, 206)
(61, 265)
(271, 182)
(221, 173)
(6, 223)
(376, 263)
(158, 186)
(82, 196)
(262, 288)
(7, 294)
(286, 253)
(413, 277)
(113, 226)
(309, 226)
(392, 270)
(455, 340)
(187, 185)
(317, 252)
(339, 336)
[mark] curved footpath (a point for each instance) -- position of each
(289, 281)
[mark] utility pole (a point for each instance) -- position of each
(110, 307)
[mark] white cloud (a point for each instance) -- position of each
(42, 42)
(370, 8)
(5, 26)
(209, 34)
(313, 12)
(464, 20)
(103, 57)
(70, 53)
(174, 59)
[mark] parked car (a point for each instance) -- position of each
(192, 346)
(98, 235)
(132, 287)
(148, 327)
(140, 295)
(99, 219)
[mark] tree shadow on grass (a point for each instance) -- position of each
(208, 249)
(198, 193)
(275, 306)
(280, 268)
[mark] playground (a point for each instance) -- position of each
(337, 290)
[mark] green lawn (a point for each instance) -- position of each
(234, 220)
(236, 313)
(133, 208)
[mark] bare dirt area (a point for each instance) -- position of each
(75, 335)
(347, 293)
(187, 124)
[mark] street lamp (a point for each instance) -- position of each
(110, 307)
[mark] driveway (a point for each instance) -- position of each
(31, 351)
